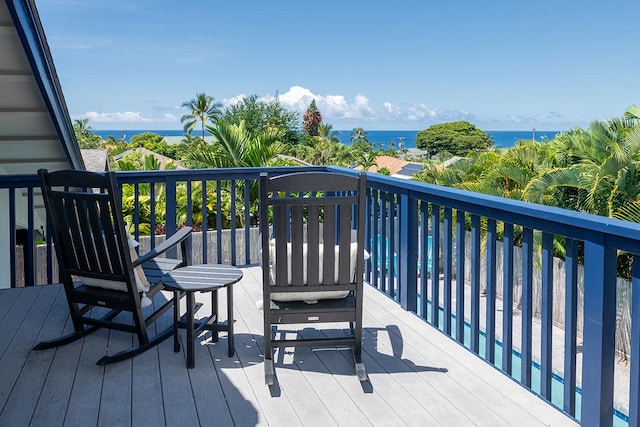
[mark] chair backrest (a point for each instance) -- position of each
(88, 230)
(318, 231)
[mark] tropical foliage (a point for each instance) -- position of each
(261, 116)
(234, 146)
(457, 138)
(84, 135)
(593, 170)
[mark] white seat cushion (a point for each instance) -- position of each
(141, 279)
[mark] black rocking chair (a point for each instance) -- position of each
(98, 267)
(313, 262)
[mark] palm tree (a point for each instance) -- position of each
(367, 160)
(234, 146)
(358, 135)
(202, 108)
(84, 135)
(325, 130)
(599, 165)
(82, 127)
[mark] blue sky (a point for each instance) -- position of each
(396, 65)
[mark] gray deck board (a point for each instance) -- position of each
(418, 376)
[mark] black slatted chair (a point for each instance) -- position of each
(313, 260)
(98, 267)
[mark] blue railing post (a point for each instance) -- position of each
(461, 233)
(12, 236)
(546, 355)
(599, 332)
(490, 347)
(435, 266)
(407, 258)
(475, 283)
(447, 252)
(171, 208)
(30, 244)
(570, 325)
(507, 299)
(634, 373)
(527, 307)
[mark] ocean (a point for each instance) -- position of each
(382, 138)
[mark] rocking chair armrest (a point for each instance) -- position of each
(179, 237)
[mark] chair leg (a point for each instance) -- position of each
(269, 372)
(134, 351)
(67, 339)
(74, 336)
(361, 372)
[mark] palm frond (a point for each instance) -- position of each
(630, 211)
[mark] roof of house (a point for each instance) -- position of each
(397, 167)
(35, 127)
(95, 160)
(146, 152)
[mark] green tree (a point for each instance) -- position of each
(312, 119)
(114, 145)
(367, 160)
(325, 131)
(154, 142)
(260, 116)
(201, 109)
(84, 134)
(597, 169)
(358, 135)
(457, 138)
(233, 146)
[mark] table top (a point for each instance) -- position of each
(202, 277)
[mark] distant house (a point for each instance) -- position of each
(399, 168)
(95, 160)
(163, 160)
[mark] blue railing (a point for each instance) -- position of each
(479, 268)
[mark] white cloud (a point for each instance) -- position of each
(419, 112)
(234, 100)
(130, 120)
(168, 117)
(126, 117)
(338, 110)
(332, 107)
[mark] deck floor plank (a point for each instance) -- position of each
(86, 392)
(274, 411)
(53, 401)
(29, 374)
(492, 386)
(312, 410)
(421, 360)
(146, 384)
(418, 376)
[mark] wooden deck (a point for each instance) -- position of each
(417, 376)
